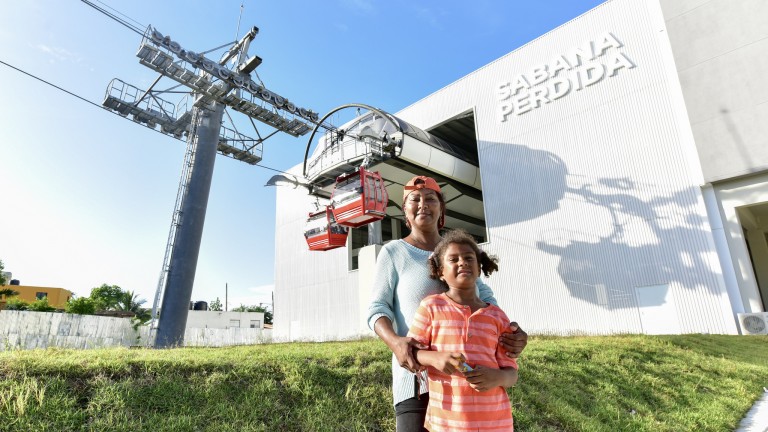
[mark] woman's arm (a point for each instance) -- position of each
(402, 347)
(381, 313)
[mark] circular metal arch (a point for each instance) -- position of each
(335, 110)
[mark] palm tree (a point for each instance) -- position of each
(8, 292)
(130, 302)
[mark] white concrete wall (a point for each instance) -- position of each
(719, 48)
(31, 330)
(28, 330)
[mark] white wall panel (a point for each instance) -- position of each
(315, 294)
(592, 195)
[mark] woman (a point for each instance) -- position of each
(401, 282)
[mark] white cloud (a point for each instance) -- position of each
(58, 54)
(362, 5)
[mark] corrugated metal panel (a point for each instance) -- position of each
(591, 196)
(315, 295)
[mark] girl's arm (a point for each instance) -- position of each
(445, 362)
(485, 378)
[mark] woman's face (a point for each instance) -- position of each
(423, 209)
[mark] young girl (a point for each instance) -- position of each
(467, 369)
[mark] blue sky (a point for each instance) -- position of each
(87, 196)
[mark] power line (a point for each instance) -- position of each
(140, 25)
(139, 30)
(104, 109)
(53, 85)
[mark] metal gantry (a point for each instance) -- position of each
(213, 87)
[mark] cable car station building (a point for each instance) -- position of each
(617, 166)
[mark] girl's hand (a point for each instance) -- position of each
(484, 378)
(446, 362)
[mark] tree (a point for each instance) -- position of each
(113, 298)
(2, 276)
(216, 305)
(130, 302)
(107, 297)
(80, 306)
(8, 292)
(254, 308)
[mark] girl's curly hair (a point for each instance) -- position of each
(488, 263)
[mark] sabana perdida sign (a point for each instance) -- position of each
(576, 70)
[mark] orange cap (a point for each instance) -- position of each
(420, 182)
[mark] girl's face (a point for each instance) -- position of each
(459, 266)
(423, 209)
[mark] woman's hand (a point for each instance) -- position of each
(514, 340)
(404, 349)
(484, 378)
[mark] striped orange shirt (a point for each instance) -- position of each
(445, 325)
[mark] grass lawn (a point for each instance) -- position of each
(616, 383)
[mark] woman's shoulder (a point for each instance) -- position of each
(393, 245)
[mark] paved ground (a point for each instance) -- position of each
(756, 419)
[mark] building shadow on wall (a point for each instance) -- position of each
(656, 236)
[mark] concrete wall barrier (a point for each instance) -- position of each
(30, 330)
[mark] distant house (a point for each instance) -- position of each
(57, 297)
(224, 320)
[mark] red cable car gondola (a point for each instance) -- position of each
(323, 233)
(359, 198)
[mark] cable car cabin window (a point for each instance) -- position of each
(346, 191)
(317, 224)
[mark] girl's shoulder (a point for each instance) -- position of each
(496, 312)
(434, 299)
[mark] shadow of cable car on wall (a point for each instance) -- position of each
(655, 242)
(534, 183)
(652, 234)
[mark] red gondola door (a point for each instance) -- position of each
(359, 198)
(323, 233)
